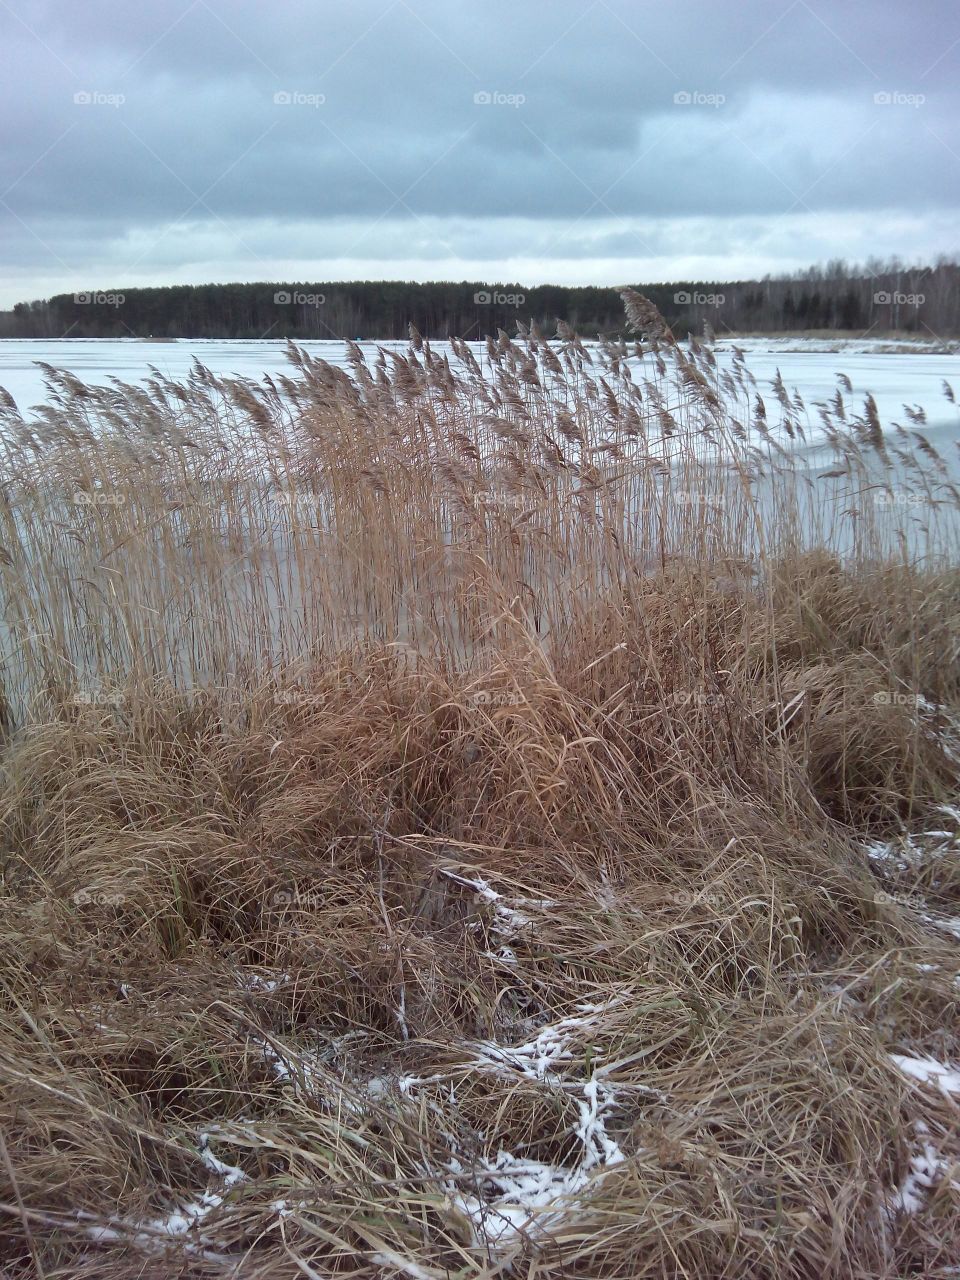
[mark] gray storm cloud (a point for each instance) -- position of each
(222, 139)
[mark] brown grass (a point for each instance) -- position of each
(517, 849)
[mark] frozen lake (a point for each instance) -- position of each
(912, 374)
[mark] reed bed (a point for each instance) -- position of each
(478, 817)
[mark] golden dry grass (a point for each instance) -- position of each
(472, 822)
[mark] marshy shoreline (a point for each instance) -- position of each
(467, 822)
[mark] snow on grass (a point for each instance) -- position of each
(182, 1220)
(598, 1104)
(513, 1197)
(406, 1266)
(230, 1173)
(261, 982)
(187, 1216)
(945, 728)
(507, 920)
(927, 1169)
(886, 853)
(301, 1070)
(510, 1196)
(538, 1059)
(929, 1071)
(912, 850)
(506, 1197)
(947, 925)
(307, 1074)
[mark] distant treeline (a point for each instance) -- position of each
(877, 299)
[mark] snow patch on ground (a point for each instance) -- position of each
(912, 850)
(511, 1196)
(302, 1071)
(927, 1169)
(261, 982)
(947, 925)
(183, 1219)
(507, 920)
(514, 1196)
(405, 1266)
(929, 1071)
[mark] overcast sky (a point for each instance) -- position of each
(567, 142)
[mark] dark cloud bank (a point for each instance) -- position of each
(568, 142)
